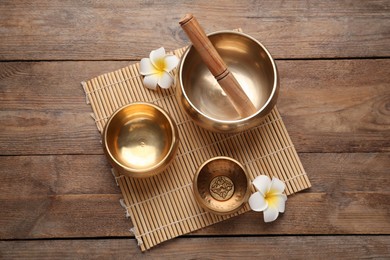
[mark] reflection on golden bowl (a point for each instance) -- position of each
(140, 140)
(221, 185)
(203, 99)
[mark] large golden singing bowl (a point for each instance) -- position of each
(203, 99)
(140, 140)
(221, 185)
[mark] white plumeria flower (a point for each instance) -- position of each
(156, 69)
(269, 197)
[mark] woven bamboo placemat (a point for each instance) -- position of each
(163, 207)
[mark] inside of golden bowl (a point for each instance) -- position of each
(249, 62)
(221, 185)
(139, 137)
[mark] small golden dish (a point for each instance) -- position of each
(221, 185)
(140, 140)
(203, 99)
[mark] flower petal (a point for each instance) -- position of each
(277, 186)
(282, 207)
(150, 81)
(165, 80)
(257, 202)
(270, 214)
(157, 55)
(171, 62)
(262, 184)
(146, 67)
(277, 201)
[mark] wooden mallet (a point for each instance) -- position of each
(217, 66)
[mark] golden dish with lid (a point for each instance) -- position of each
(221, 185)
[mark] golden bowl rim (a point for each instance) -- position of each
(201, 201)
(155, 169)
(241, 120)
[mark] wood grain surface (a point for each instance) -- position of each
(113, 30)
(288, 247)
(58, 199)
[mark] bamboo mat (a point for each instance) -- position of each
(163, 207)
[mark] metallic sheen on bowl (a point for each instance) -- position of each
(202, 98)
(221, 185)
(140, 140)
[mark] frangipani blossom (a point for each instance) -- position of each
(269, 197)
(156, 69)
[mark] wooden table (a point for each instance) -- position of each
(57, 196)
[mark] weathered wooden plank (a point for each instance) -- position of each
(79, 30)
(48, 132)
(63, 216)
(48, 86)
(269, 247)
(327, 106)
(62, 196)
(26, 176)
(336, 105)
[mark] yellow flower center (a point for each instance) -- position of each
(160, 66)
(271, 199)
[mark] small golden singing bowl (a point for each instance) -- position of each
(221, 185)
(203, 99)
(140, 140)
